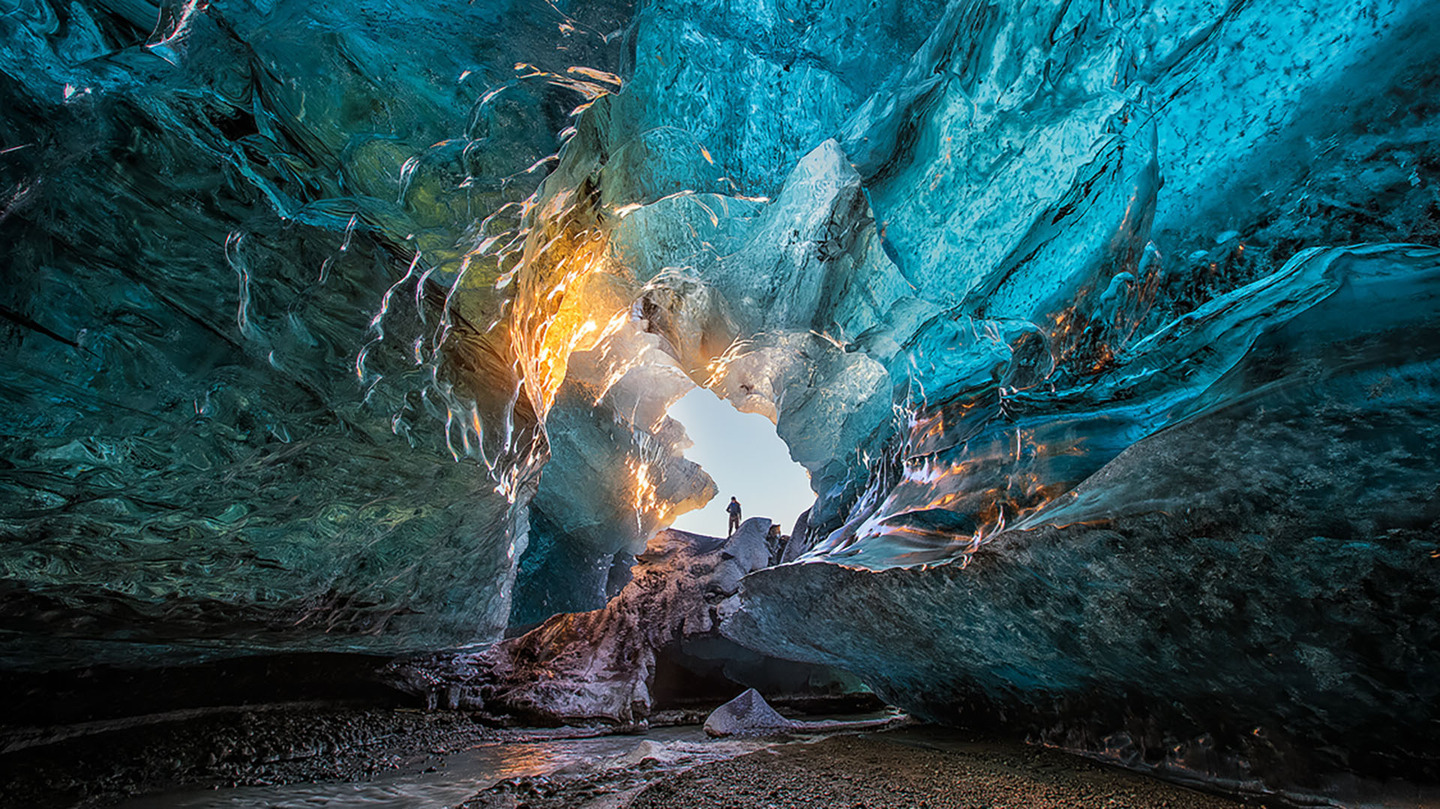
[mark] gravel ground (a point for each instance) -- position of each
(913, 767)
(226, 748)
(922, 768)
(889, 771)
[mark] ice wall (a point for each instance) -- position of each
(1235, 597)
(1066, 309)
(1100, 327)
(232, 238)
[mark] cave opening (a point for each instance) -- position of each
(340, 341)
(746, 458)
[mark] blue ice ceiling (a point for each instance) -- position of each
(1105, 330)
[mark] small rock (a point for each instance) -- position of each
(746, 715)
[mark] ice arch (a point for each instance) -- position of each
(1056, 303)
(741, 452)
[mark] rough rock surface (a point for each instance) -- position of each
(602, 665)
(915, 768)
(747, 714)
(891, 770)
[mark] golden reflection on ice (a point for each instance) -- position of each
(560, 312)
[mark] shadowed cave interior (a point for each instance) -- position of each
(351, 352)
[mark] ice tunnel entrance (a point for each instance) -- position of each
(747, 461)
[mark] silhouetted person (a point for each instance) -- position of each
(734, 509)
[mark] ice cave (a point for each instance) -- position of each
(344, 342)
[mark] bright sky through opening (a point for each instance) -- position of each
(747, 460)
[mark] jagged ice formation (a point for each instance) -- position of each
(1104, 330)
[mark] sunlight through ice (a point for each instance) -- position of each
(747, 460)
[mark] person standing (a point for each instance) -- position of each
(734, 509)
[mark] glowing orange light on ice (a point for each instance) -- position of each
(556, 317)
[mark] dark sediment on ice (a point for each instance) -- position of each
(656, 645)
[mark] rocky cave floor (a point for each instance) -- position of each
(284, 744)
(911, 767)
(862, 771)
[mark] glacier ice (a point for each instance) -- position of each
(1102, 329)
(1037, 297)
(228, 427)
(1238, 595)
